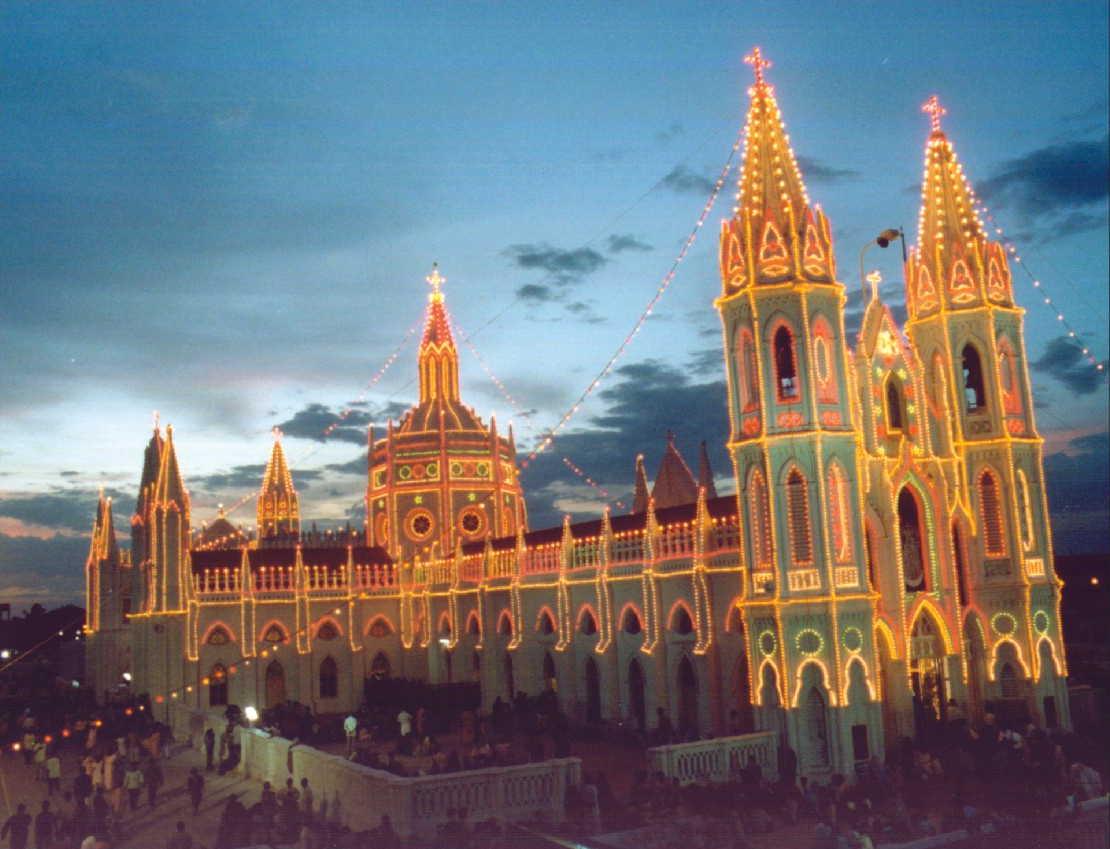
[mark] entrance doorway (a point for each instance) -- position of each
(275, 684)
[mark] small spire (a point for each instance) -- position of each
(758, 63)
(436, 281)
(933, 108)
(705, 472)
(154, 417)
(640, 496)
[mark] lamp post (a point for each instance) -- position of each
(883, 240)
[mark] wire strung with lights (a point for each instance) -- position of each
(1042, 293)
(661, 290)
(585, 477)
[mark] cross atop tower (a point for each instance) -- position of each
(436, 281)
(758, 63)
(935, 110)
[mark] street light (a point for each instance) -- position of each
(251, 713)
(883, 240)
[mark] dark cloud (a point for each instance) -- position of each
(249, 477)
(706, 361)
(1063, 359)
(65, 509)
(648, 399)
(68, 473)
(49, 571)
(584, 312)
(682, 179)
(564, 266)
(537, 294)
(313, 420)
(1078, 482)
(626, 242)
(357, 465)
(818, 171)
(1055, 179)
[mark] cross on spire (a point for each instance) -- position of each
(758, 63)
(436, 281)
(935, 110)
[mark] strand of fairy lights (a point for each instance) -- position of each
(500, 384)
(1042, 291)
(661, 290)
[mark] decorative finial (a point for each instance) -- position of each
(154, 418)
(670, 437)
(276, 431)
(436, 281)
(874, 278)
(935, 110)
(758, 63)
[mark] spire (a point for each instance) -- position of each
(674, 484)
(152, 462)
(705, 472)
(170, 487)
(640, 496)
(954, 264)
(278, 506)
(775, 236)
(439, 359)
(103, 545)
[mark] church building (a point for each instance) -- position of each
(886, 549)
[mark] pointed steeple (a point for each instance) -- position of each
(170, 488)
(705, 472)
(278, 506)
(152, 462)
(439, 359)
(674, 484)
(774, 236)
(641, 494)
(103, 545)
(954, 264)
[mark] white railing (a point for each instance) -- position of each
(358, 796)
(716, 760)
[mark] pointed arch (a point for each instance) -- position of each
(975, 388)
(797, 514)
(1025, 511)
(819, 678)
(914, 542)
(275, 684)
(772, 252)
(825, 361)
(274, 632)
(734, 621)
(327, 628)
(960, 561)
(894, 404)
(770, 693)
(747, 373)
(762, 542)
(992, 523)
(380, 667)
(927, 607)
(840, 512)
(1039, 658)
(218, 634)
(885, 636)
(473, 624)
(1008, 376)
(961, 284)
(851, 682)
(443, 627)
(505, 623)
(378, 627)
(631, 619)
(997, 658)
(587, 620)
(679, 619)
(545, 621)
(785, 359)
(329, 678)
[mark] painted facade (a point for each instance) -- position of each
(887, 547)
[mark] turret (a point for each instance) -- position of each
(141, 521)
(170, 533)
(103, 587)
(279, 515)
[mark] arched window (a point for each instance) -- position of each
(550, 674)
(219, 636)
(975, 395)
(786, 365)
(797, 506)
(587, 624)
(379, 628)
(329, 678)
(1025, 511)
(545, 625)
(912, 540)
(961, 564)
(990, 515)
(824, 362)
(761, 520)
(630, 622)
(895, 409)
(327, 631)
(840, 514)
(681, 622)
(746, 372)
(473, 626)
(505, 624)
(217, 686)
(380, 668)
(1008, 378)
(937, 400)
(816, 726)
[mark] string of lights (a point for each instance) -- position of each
(500, 384)
(19, 658)
(1042, 292)
(661, 290)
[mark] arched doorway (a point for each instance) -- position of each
(814, 719)
(593, 692)
(772, 717)
(550, 675)
(687, 699)
(928, 676)
(1013, 705)
(637, 703)
(379, 667)
(275, 684)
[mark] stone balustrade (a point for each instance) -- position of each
(717, 759)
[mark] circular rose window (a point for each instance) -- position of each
(472, 521)
(420, 523)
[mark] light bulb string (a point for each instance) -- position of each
(661, 290)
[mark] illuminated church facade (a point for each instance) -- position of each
(887, 548)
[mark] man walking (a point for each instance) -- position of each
(18, 826)
(209, 749)
(133, 784)
(195, 785)
(53, 773)
(44, 827)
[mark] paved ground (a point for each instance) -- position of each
(146, 828)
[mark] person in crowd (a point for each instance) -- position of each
(404, 723)
(133, 784)
(152, 780)
(306, 800)
(45, 827)
(17, 827)
(181, 839)
(53, 773)
(100, 811)
(195, 786)
(209, 749)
